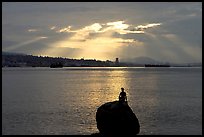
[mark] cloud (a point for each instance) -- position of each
(110, 28)
(96, 39)
(94, 27)
(117, 26)
(103, 32)
(43, 37)
(53, 27)
(32, 30)
(143, 27)
(84, 33)
(67, 29)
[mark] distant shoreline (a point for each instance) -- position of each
(102, 67)
(21, 60)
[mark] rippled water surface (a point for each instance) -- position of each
(167, 101)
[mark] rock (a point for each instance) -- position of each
(115, 118)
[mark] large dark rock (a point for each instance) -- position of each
(115, 118)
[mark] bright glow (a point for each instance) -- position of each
(97, 40)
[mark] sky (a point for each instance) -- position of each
(163, 31)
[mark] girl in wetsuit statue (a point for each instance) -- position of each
(122, 96)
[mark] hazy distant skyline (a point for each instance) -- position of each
(168, 31)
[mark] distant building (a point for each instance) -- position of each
(117, 61)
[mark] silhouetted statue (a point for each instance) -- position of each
(116, 118)
(122, 96)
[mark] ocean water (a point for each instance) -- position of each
(64, 101)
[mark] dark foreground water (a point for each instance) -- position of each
(167, 101)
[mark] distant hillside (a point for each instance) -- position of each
(23, 60)
(147, 60)
(140, 60)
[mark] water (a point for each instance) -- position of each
(41, 101)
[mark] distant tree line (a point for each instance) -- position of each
(40, 61)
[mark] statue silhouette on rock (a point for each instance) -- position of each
(122, 96)
(117, 118)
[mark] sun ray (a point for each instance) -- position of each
(13, 47)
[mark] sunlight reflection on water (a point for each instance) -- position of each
(64, 101)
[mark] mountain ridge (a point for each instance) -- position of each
(140, 60)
